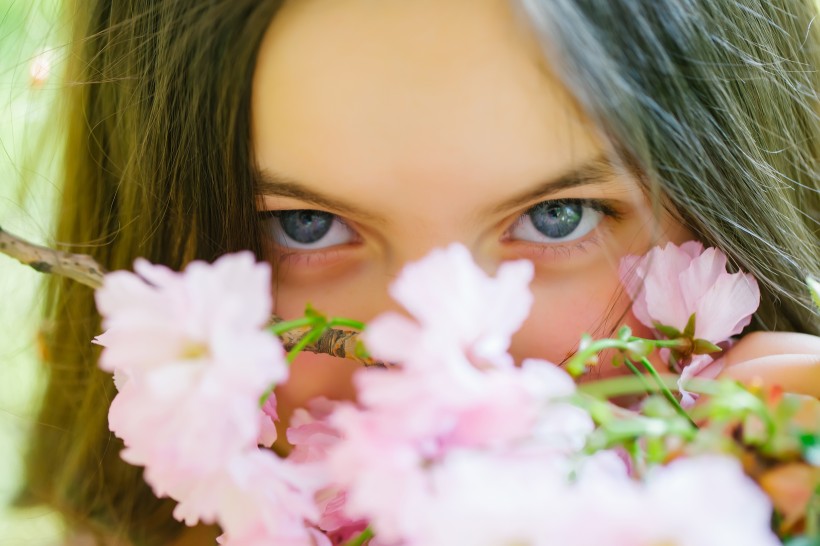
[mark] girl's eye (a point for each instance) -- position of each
(308, 229)
(557, 221)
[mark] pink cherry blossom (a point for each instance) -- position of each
(459, 311)
(267, 425)
(310, 432)
(260, 500)
(312, 436)
(192, 360)
(702, 501)
(669, 284)
(453, 445)
(489, 498)
(218, 311)
(455, 389)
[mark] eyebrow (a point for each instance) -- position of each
(598, 170)
(268, 183)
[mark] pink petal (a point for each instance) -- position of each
(727, 307)
(702, 273)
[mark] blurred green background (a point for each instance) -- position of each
(31, 36)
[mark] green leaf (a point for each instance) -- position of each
(624, 333)
(576, 367)
(689, 330)
(586, 341)
(311, 312)
(669, 331)
(704, 347)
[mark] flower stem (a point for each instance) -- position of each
(634, 369)
(666, 392)
(361, 538)
(288, 325)
(667, 343)
(578, 363)
(345, 322)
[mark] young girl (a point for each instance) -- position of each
(340, 140)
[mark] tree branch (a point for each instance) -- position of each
(85, 270)
(79, 267)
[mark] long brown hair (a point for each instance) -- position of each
(714, 102)
(157, 164)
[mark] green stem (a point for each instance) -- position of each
(634, 369)
(638, 457)
(666, 392)
(577, 364)
(628, 384)
(266, 395)
(363, 537)
(663, 343)
(349, 323)
(287, 325)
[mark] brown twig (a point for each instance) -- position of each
(79, 267)
(85, 270)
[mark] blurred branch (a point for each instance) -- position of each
(85, 270)
(79, 267)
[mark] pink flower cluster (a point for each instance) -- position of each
(454, 445)
(191, 361)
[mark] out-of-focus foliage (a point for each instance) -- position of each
(31, 40)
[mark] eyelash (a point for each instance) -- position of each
(559, 250)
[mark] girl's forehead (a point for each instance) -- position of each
(371, 93)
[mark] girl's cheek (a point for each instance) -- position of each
(569, 305)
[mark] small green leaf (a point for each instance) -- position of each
(689, 330)
(586, 341)
(576, 367)
(704, 347)
(624, 333)
(311, 312)
(669, 331)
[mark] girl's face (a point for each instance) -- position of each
(384, 129)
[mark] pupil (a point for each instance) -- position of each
(305, 226)
(556, 220)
